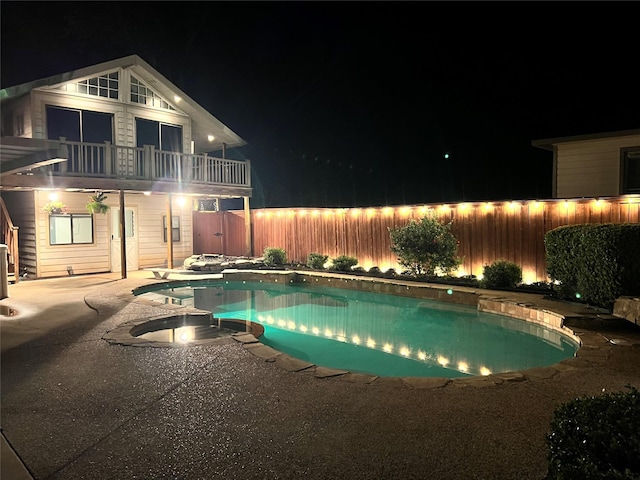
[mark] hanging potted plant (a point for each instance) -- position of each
(55, 207)
(96, 203)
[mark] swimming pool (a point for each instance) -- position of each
(374, 333)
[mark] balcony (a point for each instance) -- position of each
(107, 166)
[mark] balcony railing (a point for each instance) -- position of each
(104, 160)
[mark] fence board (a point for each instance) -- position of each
(486, 232)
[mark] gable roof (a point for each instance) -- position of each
(549, 143)
(203, 122)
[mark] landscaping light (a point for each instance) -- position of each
(578, 295)
(485, 371)
(405, 211)
(449, 292)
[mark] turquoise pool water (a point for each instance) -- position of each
(378, 334)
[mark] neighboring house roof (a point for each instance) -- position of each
(203, 123)
(549, 143)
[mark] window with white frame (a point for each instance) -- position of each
(20, 125)
(630, 177)
(70, 229)
(175, 228)
(105, 86)
(142, 94)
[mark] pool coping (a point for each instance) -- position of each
(594, 348)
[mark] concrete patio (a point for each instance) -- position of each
(75, 406)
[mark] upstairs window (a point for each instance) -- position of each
(142, 94)
(93, 128)
(105, 86)
(630, 170)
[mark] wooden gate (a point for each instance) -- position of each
(219, 232)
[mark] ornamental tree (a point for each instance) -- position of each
(425, 246)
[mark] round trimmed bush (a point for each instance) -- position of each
(502, 274)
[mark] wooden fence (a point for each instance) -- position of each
(487, 232)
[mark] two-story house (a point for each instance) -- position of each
(123, 130)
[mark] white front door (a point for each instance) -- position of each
(131, 235)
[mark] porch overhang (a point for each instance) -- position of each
(38, 181)
(19, 154)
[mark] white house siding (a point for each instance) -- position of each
(21, 206)
(152, 249)
(14, 109)
(591, 168)
(124, 113)
(53, 260)
(133, 111)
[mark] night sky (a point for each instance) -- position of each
(348, 104)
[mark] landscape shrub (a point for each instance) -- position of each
(425, 246)
(274, 256)
(375, 271)
(344, 263)
(390, 273)
(601, 262)
(595, 438)
(502, 274)
(316, 260)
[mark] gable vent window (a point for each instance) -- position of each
(105, 86)
(142, 94)
(631, 170)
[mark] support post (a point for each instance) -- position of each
(123, 238)
(169, 232)
(247, 228)
(4, 271)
